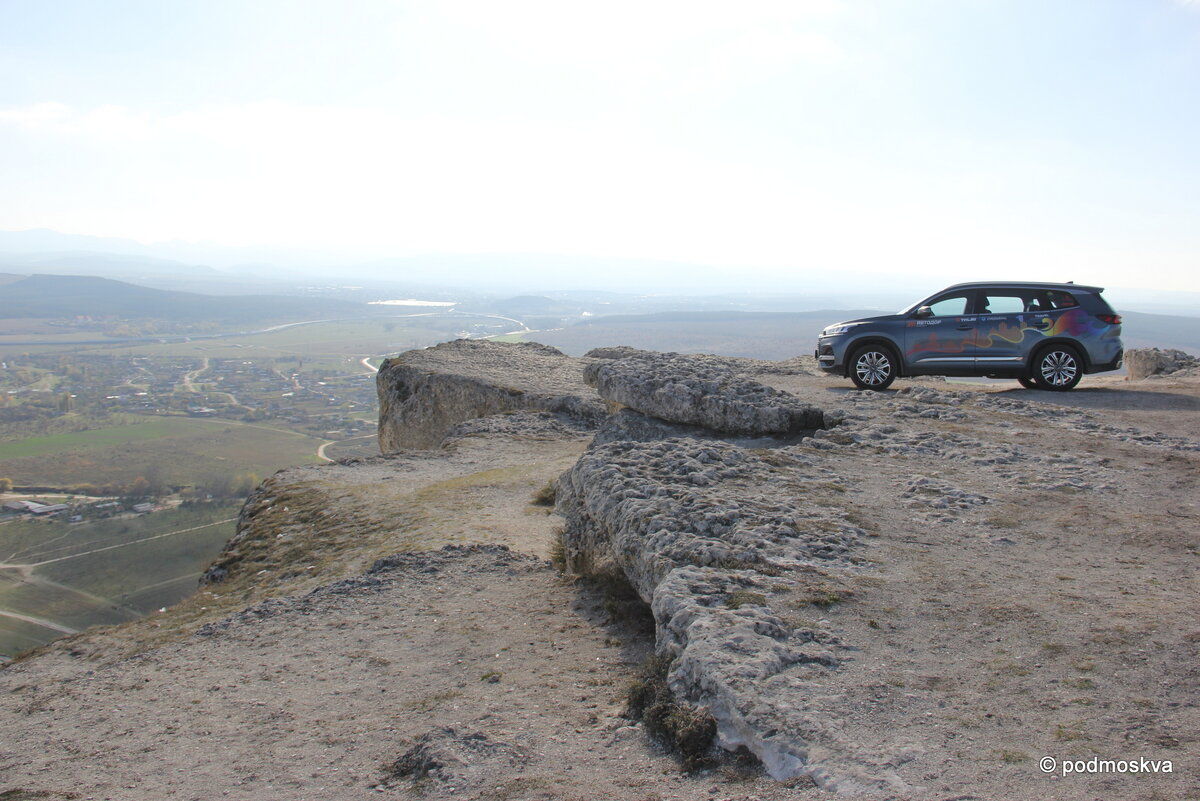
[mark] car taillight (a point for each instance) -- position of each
(1111, 319)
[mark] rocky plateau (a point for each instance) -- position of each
(923, 593)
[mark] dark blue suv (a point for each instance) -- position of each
(1044, 335)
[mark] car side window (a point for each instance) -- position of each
(949, 306)
(1038, 302)
(1003, 304)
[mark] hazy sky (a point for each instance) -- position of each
(1050, 139)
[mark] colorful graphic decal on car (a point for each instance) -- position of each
(1075, 323)
(1014, 334)
(932, 344)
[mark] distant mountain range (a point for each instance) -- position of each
(103, 264)
(43, 242)
(601, 284)
(59, 296)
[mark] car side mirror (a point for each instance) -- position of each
(924, 311)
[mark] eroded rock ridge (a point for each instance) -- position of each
(724, 544)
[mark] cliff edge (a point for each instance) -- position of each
(918, 594)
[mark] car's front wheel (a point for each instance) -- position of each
(873, 367)
(1058, 368)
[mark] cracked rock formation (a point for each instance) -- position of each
(712, 537)
(423, 393)
(703, 391)
(717, 539)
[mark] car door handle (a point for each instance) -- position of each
(965, 327)
(1040, 324)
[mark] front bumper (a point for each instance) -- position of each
(827, 355)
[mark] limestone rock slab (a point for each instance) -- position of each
(712, 536)
(424, 393)
(704, 391)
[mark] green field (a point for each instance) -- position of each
(96, 438)
(102, 572)
(510, 338)
(154, 447)
(58, 605)
(18, 635)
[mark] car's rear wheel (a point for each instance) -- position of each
(1027, 382)
(1058, 368)
(873, 367)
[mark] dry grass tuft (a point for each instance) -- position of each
(558, 548)
(547, 495)
(688, 730)
(739, 598)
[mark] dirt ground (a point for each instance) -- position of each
(1031, 592)
(1036, 594)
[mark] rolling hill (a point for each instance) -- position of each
(59, 296)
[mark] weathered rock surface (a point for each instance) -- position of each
(796, 366)
(705, 391)
(628, 425)
(680, 495)
(1146, 362)
(717, 540)
(525, 424)
(649, 507)
(423, 393)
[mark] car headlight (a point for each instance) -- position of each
(834, 330)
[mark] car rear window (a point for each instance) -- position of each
(1062, 300)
